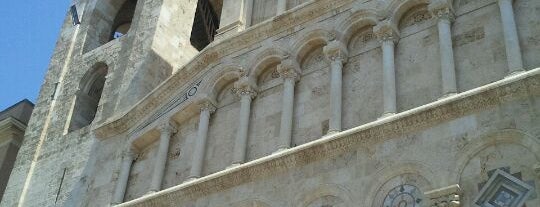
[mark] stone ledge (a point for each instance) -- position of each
(526, 84)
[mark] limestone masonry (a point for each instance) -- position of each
(287, 103)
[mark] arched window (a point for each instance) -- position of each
(205, 23)
(122, 21)
(88, 96)
(109, 22)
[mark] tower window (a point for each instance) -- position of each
(88, 97)
(122, 21)
(205, 23)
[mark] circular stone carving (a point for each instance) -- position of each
(403, 196)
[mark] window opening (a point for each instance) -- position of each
(205, 23)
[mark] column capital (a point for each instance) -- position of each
(442, 10)
(386, 31)
(289, 68)
(445, 197)
(167, 127)
(245, 87)
(129, 154)
(207, 105)
(336, 51)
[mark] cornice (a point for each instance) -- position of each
(212, 55)
(520, 86)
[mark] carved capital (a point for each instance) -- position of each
(167, 127)
(445, 197)
(386, 31)
(129, 154)
(442, 10)
(289, 69)
(245, 87)
(336, 51)
(207, 105)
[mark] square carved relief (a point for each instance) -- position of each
(503, 190)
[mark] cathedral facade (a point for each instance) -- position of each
(287, 103)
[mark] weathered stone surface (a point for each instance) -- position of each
(155, 76)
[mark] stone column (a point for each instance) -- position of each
(445, 197)
(166, 130)
(281, 7)
(245, 89)
(511, 39)
(442, 10)
(388, 36)
(123, 176)
(207, 107)
(336, 54)
(289, 71)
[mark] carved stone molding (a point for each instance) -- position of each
(289, 68)
(336, 51)
(445, 197)
(386, 31)
(442, 9)
(129, 154)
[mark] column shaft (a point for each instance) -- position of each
(389, 72)
(448, 71)
(281, 7)
(511, 39)
(287, 113)
(121, 185)
(200, 145)
(161, 159)
(240, 146)
(335, 96)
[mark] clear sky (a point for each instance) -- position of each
(28, 33)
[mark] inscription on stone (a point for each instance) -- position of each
(469, 37)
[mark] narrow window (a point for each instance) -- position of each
(205, 23)
(74, 15)
(88, 97)
(122, 21)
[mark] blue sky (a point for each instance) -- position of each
(27, 38)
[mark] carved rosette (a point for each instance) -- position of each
(442, 10)
(386, 31)
(245, 87)
(336, 51)
(289, 69)
(445, 197)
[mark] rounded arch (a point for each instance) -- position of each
(508, 136)
(265, 58)
(88, 96)
(398, 8)
(311, 40)
(355, 22)
(304, 199)
(390, 172)
(217, 81)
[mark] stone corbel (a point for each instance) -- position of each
(386, 31)
(289, 68)
(445, 197)
(442, 9)
(336, 51)
(245, 86)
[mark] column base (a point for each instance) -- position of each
(281, 149)
(513, 73)
(150, 192)
(233, 165)
(190, 179)
(447, 95)
(332, 132)
(387, 114)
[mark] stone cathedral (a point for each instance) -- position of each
(287, 103)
